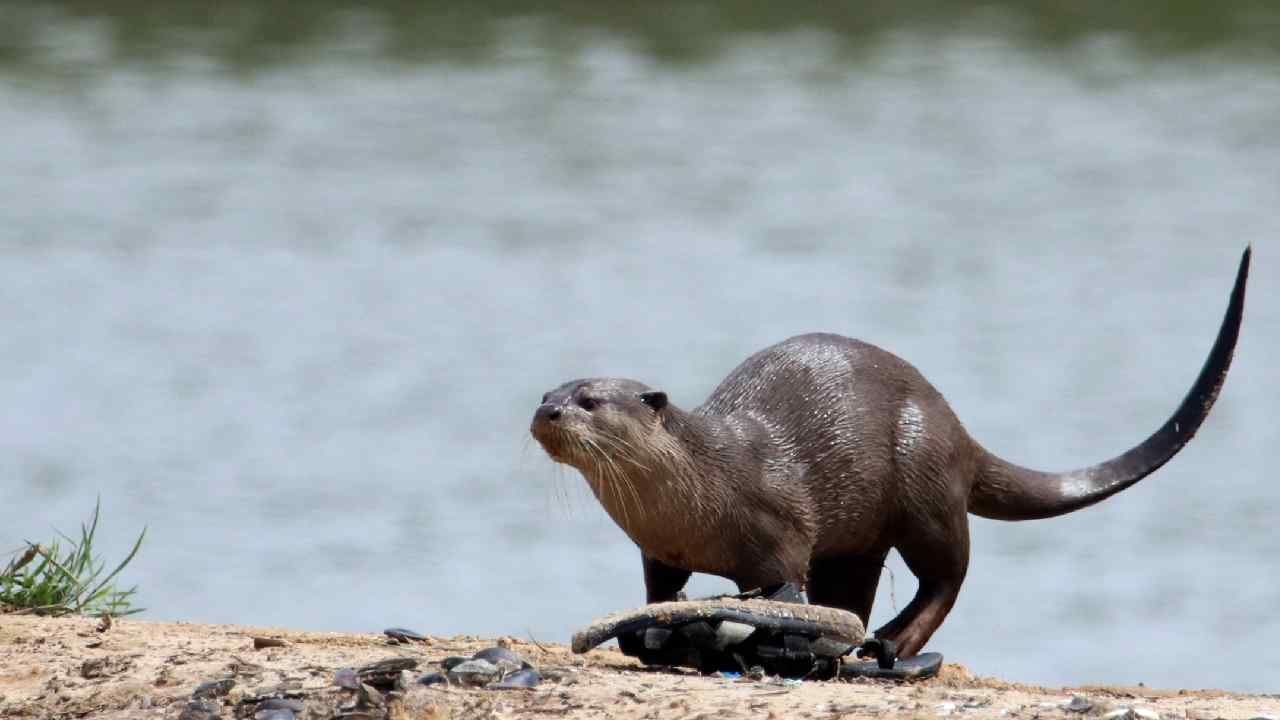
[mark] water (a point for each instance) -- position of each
(288, 297)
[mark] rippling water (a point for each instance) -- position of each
(293, 308)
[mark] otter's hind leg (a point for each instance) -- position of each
(939, 558)
(662, 583)
(847, 582)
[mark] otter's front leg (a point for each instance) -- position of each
(662, 583)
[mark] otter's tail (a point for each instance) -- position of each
(1005, 491)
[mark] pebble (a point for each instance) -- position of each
(199, 710)
(1146, 713)
(213, 688)
(1121, 714)
(517, 680)
(274, 714)
(474, 673)
(945, 709)
(347, 678)
(1079, 704)
(433, 679)
(369, 697)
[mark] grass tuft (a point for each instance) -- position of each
(45, 579)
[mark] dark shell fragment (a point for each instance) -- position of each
(434, 678)
(200, 710)
(296, 706)
(385, 672)
(452, 661)
(505, 658)
(403, 635)
(518, 680)
(474, 673)
(213, 688)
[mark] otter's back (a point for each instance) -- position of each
(848, 413)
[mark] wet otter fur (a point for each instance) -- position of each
(813, 459)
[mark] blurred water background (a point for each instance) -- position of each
(284, 283)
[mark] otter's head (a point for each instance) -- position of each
(587, 423)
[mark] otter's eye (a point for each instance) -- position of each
(587, 404)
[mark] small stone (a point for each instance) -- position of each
(260, 643)
(403, 681)
(369, 697)
(1120, 714)
(93, 668)
(1146, 713)
(200, 710)
(213, 688)
(945, 709)
(347, 678)
(474, 673)
(756, 672)
(274, 714)
(1079, 704)
(433, 679)
(518, 680)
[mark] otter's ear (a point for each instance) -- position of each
(655, 399)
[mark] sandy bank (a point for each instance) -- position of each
(63, 668)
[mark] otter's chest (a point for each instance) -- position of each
(676, 536)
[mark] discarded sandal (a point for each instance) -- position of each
(733, 635)
(886, 665)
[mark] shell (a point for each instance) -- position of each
(517, 680)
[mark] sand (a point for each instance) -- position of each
(70, 668)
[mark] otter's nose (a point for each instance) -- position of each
(547, 411)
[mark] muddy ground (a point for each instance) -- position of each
(70, 668)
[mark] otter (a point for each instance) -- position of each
(813, 459)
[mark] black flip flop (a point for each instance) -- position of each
(886, 665)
